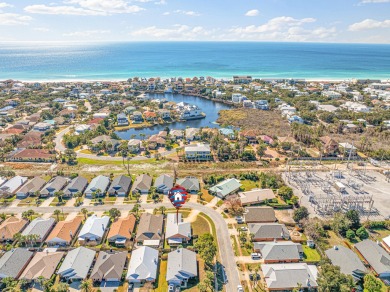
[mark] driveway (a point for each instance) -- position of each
(58, 140)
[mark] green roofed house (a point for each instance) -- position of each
(225, 187)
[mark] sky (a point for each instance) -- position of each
(344, 21)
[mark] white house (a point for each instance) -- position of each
(199, 151)
(143, 265)
(93, 229)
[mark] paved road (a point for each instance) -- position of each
(58, 140)
(226, 250)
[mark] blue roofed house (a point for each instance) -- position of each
(97, 186)
(225, 187)
(182, 266)
(93, 230)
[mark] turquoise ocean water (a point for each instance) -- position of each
(119, 61)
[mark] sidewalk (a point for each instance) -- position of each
(47, 202)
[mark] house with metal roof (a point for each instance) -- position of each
(182, 266)
(268, 231)
(121, 230)
(279, 252)
(109, 266)
(43, 264)
(64, 232)
(77, 264)
(190, 183)
(76, 185)
(226, 187)
(281, 277)
(56, 184)
(142, 184)
(120, 186)
(40, 227)
(375, 256)
(150, 229)
(10, 187)
(143, 265)
(30, 188)
(347, 260)
(97, 186)
(93, 229)
(259, 215)
(11, 226)
(163, 183)
(177, 231)
(13, 262)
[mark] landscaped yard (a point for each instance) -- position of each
(206, 196)
(310, 254)
(378, 234)
(248, 185)
(200, 226)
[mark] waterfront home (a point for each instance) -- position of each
(238, 98)
(329, 146)
(121, 230)
(256, 196)
(122, 120)
(43, 264)
(142, 184)
(64, 232)
(137, 117)
(296, 119)
(250, 136)
(109, 266)
(163, 183)
(190, 183)
(261, 104)
(56, 184)
(286, 277)
(247, 104)
(199, 151)
(279, 252)
(120, 186)
(242, 79)
(268, 231)
(76, 264)
(259, 215)
(156, 141)
(227, 133)
(164, 114)
(375, 256)
(177, 134)
(76, 185)
(225, 188)
(182, 266)
(42, 127)
(32, 155)
(150, 229)
(39, 227)
(97, 187)
(192, 134)
(134, 145)
(30, 188)
(150, 116)
(347, 260)
(13, 262)
(177, 232)
(11, 226)
(93, 230)
(143, 265)
(10, 187)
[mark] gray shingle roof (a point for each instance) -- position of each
(100, 182)
(78, 184)
(121, 184)
(109, 265)
(33, 185)
(376, 256)
(279, 251)
(54, 185)
(142, 182)
(268, 231)
(40, 227)
(164, 180)
(77, 263)
(150, 227)
(181, 265)
(143, 264)
(259, 214)
(189, 183)
(13, 261)
(346, 259)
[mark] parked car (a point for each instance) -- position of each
(131, 287)
(239, 288)
(255, 256)
(244, 228)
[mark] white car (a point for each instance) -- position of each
(239, 288)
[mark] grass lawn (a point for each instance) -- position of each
(248, 185)
(235, 245)
(29, 202)
(334, 239)
(200, 226)
(109, 200)
(206, 196)
(55, 202)
(61, 217)
(162, 282)
(88, 161)
(310, 254)
(378, 234)
(86, 151)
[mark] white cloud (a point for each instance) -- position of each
(375, 1)
(14, 19)
(369, 24)
(161, 2)
(86, 33)
(183, 12)
(253, 12)
(86, 7)
(176, 32)
(41, 29)
(5, 5)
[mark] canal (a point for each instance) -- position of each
(209, 107)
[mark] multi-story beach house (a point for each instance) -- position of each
(199, 151)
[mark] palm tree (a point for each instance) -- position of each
(86, 286)
(62, 287)
(57, 213)
(59, 195)
(162, 209)
(136, 209)
(84, 211)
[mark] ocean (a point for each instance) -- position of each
(120, 61)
